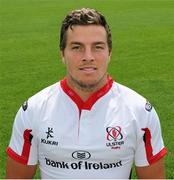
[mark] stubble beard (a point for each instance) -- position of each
(87, 87)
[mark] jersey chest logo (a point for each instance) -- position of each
(49, 138)
(114, 137)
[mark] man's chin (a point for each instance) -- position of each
(87, 84)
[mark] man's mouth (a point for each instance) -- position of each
(88, 69)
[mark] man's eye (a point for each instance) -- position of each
(76, 47)
(99, 47)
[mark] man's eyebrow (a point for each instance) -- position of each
(99, 42)
(75, 43)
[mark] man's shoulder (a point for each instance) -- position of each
(127, 92)
(42, 96)
(47, 91)
(132, 99)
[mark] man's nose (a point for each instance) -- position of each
(88, 55)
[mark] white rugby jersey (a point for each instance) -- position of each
(99, 138)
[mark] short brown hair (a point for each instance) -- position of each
(84, 16)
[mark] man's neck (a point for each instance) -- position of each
(83, 92)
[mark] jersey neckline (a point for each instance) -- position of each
(86, 105)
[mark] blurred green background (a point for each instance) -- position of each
(142, 58)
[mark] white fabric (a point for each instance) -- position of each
(102, 142)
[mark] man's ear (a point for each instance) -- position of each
(110, 54)
(62, 57)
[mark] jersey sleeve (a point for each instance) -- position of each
(23, 143)
(150, 147)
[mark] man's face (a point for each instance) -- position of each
(86, 55)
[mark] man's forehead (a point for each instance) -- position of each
(81, 43)
(96, 33)
(95, 27)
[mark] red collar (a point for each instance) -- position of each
(91, 100)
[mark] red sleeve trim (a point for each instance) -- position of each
(16, 157)
(149, 150)
(23, 158)
(158, 156)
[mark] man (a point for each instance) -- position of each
(86, 125)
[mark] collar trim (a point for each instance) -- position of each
(87, 105)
